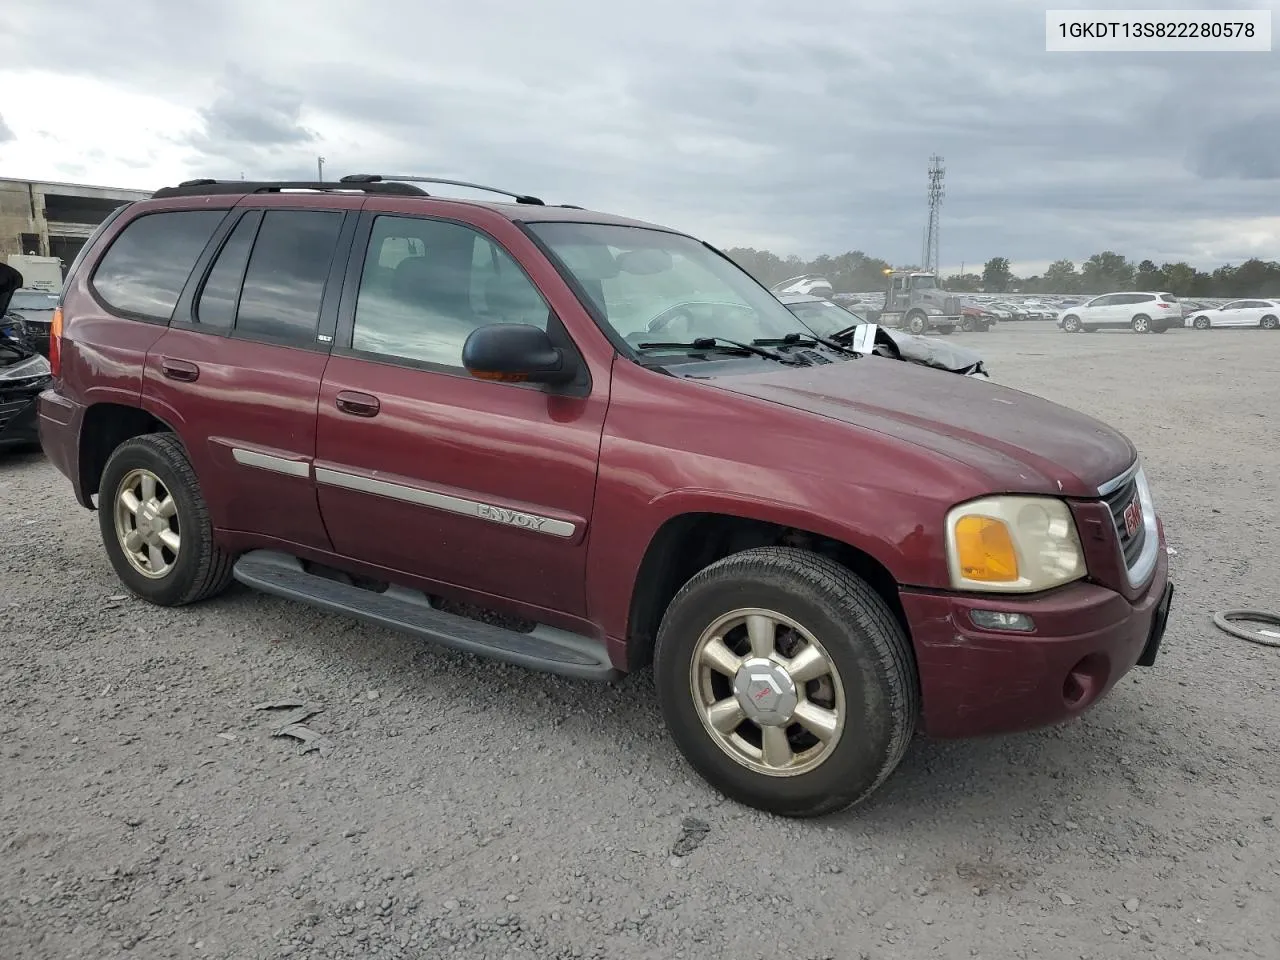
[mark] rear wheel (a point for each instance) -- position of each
(155, 525)
(1270, 323)
(786, 681)
(1071, 324)
(1201, 323)
(1141, 323)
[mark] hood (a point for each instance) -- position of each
(10, 280)
(1020, 442)
(930, 351)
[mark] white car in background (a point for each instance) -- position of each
(1139, 312)
(1238, 313)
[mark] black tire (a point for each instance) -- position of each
(871, 653)
(968, 325)
(1270, 323)
(1201, 323)
(1141, 323)
(201, 568)
(947, 330)
(917, 323)
(1071, 324)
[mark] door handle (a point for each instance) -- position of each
(179, 370)
(357, 404)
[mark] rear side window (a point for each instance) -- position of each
(1168, 298)
(144, 270)
(217, 306)
(284, 283)
(84, 250)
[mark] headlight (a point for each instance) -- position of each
(1013, 544)
(36, 366)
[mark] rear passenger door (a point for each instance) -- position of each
(238, 372)
(421, 468)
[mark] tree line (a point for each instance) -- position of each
(855, 271)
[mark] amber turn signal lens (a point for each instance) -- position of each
(984, 548)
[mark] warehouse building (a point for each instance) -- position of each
(54, 219)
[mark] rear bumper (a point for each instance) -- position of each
(58, 420)
(976, 682)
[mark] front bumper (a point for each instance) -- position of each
(976, 681)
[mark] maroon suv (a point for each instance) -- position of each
(584, 444)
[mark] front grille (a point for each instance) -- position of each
(1118, 501)
(8, 410)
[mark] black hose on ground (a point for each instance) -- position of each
(1223, 622)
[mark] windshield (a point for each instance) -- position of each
(653, 286)
(823, 318)
(924, 283)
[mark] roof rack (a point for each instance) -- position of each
(378, 178)
(204, 187)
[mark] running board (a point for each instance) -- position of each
(546, 649)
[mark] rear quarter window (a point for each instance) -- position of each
(144, 270)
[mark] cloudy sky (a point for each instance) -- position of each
(802, 126)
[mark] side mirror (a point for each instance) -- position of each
(516, 353)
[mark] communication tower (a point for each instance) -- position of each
(936, 174)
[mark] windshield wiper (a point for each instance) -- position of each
(798, 339)
(725, 346)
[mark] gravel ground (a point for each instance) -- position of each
(468, 809)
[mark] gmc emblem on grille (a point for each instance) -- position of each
(1132, 517)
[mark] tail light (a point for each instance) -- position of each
(1165, 306)
(55, 344)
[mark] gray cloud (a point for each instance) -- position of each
(805, 128)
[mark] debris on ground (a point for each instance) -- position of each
(692, 832)
(293, 724)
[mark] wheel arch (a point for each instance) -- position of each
(105, 426)
(689, 542)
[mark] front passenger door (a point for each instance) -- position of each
(484, 486)
(1099, 312)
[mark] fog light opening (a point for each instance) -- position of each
(1002, 620)
(1084, 682)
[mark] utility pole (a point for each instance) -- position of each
(320, 169)
(931, 243)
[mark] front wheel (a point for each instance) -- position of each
(1270, 323)
(155, 525)
(786, 681)
(1071, 325)
(1200, 323)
